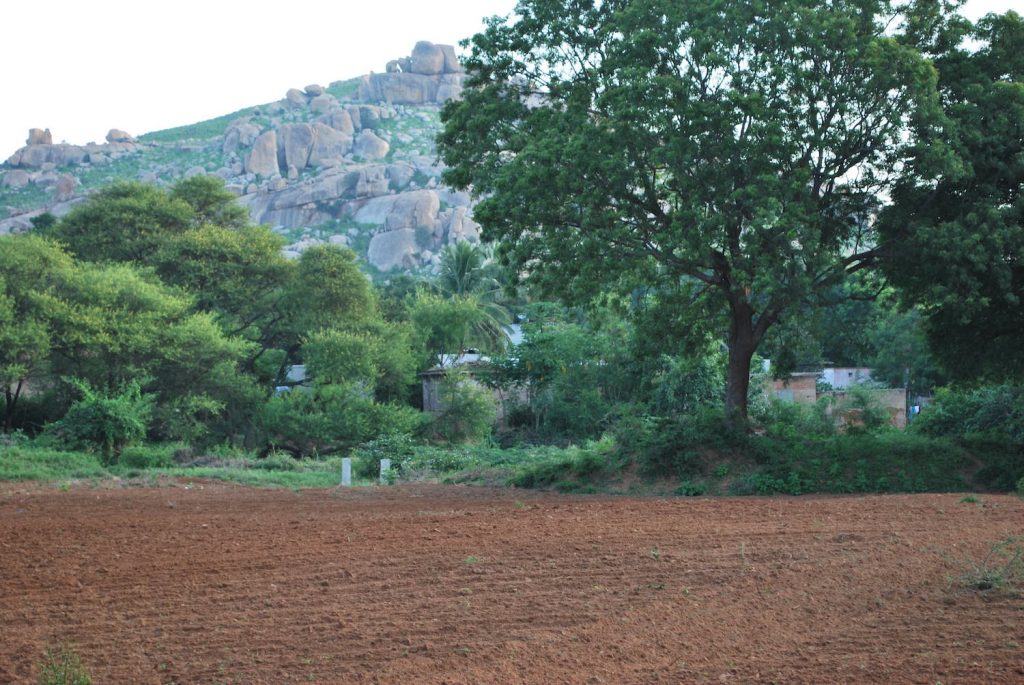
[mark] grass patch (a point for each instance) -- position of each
(201, 130)
(62, 666)
(1000, 570)
(27, 463)
(344, 90)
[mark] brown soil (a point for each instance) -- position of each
(215, 583)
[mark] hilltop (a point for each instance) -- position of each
(352, 163)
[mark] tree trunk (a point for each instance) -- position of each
(742, 343)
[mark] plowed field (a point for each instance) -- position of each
(212, 583)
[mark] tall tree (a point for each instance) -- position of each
(735, 149)
(958, 243)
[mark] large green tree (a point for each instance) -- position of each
(733, 149)
(958, 243)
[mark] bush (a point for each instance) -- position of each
(61, 666)
(105, 421)
(568, 469)
(675, 445)
(149, 456)
(278, 461)
(332, 418)
(795, 420)
(987, 421)
(994, 410)
(366, 457)
(469, 412)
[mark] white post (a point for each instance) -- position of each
(385, 468)
(346, 471)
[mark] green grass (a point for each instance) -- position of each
(344, 90)
(20, 463)
(62, 666)
(32, 463)
(201, 130)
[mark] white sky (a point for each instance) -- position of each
(82, 67)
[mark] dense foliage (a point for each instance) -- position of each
(695, 181)
(733, 151)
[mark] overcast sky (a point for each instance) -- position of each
(82, 67)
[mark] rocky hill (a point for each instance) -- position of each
(352, 163)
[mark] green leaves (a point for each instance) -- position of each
(740, 145)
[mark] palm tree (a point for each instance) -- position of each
(468, 272)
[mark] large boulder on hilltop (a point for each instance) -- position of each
(294, 143)
(296, 98)
(451, 61)
(38, 136)
(262, 160)
(393, 250)
(35, 156)
(313, 90)
(116, 135)
(328, 144)
(427, 59)
(340, 120)
(410, 89)
(369, 146)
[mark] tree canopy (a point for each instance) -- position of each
(732, 150)
(958, 243)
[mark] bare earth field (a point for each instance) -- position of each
(214, 583)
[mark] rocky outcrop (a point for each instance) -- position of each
(262, 159)
(427, 59)
(329, 145)
(64, 189)
(239, 133)
(323, 103)
(116, 135)
(40, 150)
(294, 142)
(369, 146)
(430, 75)
(15, 178)
(339, 120)
(38, 136)
(296, 98)
(393, 250)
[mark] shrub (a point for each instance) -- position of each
(278, 461)
(673, 445)
(469, 412)
(366, 457)
(1002, 567)
(62, 666)
(106, 421)
(989, 422)
(332, 418)
(995, 410)
(149, 456)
